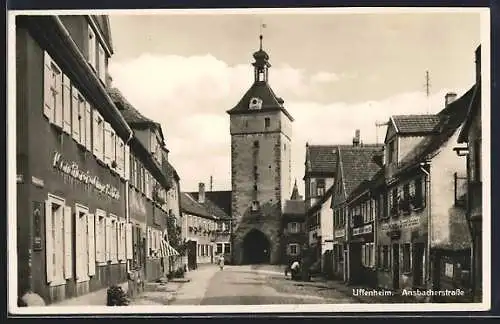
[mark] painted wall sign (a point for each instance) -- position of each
(72, 169)
(340, 233)
(37, 225)
(405, 223)
(37, 182)
(362, 230)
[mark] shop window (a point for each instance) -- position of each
(227, 248)
(219, 248)
(101, 60)
(82, 243)
(92, 48)
(293, 249)
(56, 229)
(368, 255)
(406, 258)
(53, 92)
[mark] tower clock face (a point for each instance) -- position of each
(255, 103)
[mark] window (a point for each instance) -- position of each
(406, 258)
(227, 248)
(88, 126)
(394, 202)
(100, 228)
(418, 200)
(108, 143)
(58, 230)
(92, 48)
(293, 249)
(126, 162)
(368, 255)
(82, 243)
(129, 241)
(313, 189)
(294, 227)
(391, 152)
(66, 105)
(385, 262)
(219, 248)
(255, 205)
(120, 156)
(102, 63)
(256, 144)
(320, 187)
(81, 121)
(267, 122)
(53, 97)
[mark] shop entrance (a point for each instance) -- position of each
(256, 248)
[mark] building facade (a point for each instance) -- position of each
(423, 229)
(261, 132)
(471, 135)
(72, 229)
(294, 228)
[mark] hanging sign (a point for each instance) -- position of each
(409, 222)
(362, 230)
(72, 169)
(340, 233)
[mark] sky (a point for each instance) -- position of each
(336, 73)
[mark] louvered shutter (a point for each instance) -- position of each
(108, 239)
(68, 244)
(78, 245)
(67, 105)
(75, 113)
(58, 85)
(148, 240)
(126, 163)
(96, 148)
(102, 64)
(98, 238)
(92, 245)
(123, 240)
(49, 242)
(107, 143)
(88, 126)
(48, 106)
(128, 241)
(121, 246)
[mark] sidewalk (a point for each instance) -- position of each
(96, 298)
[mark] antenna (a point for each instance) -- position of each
(427, 89)
(211, 182)
(261, 26)
(377, 125)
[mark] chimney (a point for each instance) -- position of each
(201, 193)
(355, 139)
(449, 98)
(478, 63)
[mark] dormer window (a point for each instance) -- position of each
(255, 103)
(391, 152)
(320, 187)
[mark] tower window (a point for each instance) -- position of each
(255, 187)
(267, 121)
(255, 205)
(256, 144)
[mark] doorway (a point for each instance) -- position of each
(191, 253)
(395, 266)
(418, 264)
(256, 248)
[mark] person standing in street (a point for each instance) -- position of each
(221, 261)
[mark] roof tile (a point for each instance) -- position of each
(409, 124)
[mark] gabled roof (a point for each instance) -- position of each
(270, 102)
(190, 205)
(474, 110)
(450, 119)
(321, 159)
(358, 164)
(294, 207)
(415, 124)
(132, 116)
(102, 22)
(218, 201)
(374, 182)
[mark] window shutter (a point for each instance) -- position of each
(102, 64)
(126, 163)
(121, 245)
(108, 239)
(49, 242)
(123, 241)
(128, 239)
(97, 144)
(58, 109)
(88, 128)
(107, 143)
(148, 245)
(67, 105)
(75, 113)
(48, 109)
(68, 246)
(78, 245)
(92, 245)
(98, 238)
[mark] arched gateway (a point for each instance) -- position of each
(256, 248)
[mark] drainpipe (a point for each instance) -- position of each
(127, 206)
(428, 278)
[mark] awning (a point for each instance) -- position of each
(167, 250)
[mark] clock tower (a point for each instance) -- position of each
(261, 132)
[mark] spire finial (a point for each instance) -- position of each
(260, 37)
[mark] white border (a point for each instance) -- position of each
(305, 308)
